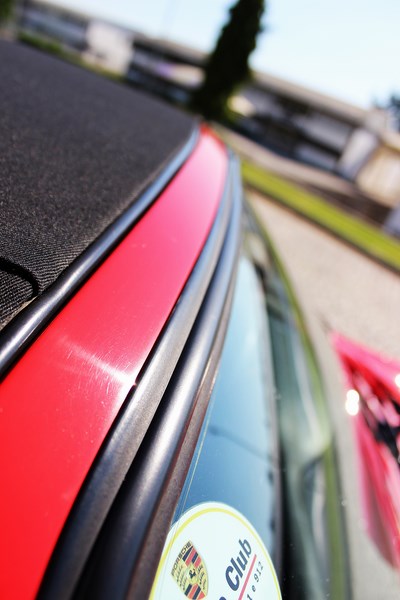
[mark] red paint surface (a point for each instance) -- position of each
(376, 422)
(59, 401)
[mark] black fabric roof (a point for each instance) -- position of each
(75, 151)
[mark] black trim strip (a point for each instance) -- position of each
(127, 553)
(28, 324)
(122, 443)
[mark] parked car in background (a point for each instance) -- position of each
(373, 403)
(168, 428)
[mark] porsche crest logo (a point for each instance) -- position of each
(190, 573)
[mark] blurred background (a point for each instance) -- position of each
(308, 94)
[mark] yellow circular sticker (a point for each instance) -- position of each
(214, 552)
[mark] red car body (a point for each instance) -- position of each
(94, 350)
(159, 362)
(374, 410)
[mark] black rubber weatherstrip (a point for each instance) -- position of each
(28, 324)
(128, 551)
(123, 441)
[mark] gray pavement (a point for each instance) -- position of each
(347, 291)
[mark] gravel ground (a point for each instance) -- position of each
(348, 292)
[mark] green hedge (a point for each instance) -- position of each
(365, 237)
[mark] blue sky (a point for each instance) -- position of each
(346, 48)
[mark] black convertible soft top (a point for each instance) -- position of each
(76, 150)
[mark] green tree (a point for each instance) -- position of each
(6, 9)
(228, 64)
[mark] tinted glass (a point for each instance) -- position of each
(236, 457)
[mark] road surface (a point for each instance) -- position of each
(347, 291)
